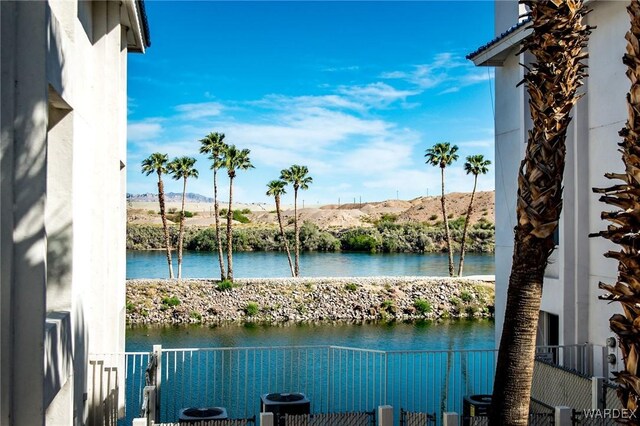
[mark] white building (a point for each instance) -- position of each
(571, 311)
(62, 199)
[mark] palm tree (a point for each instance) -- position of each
(276, 189)
(297, 176)
(476, 165)
(624, 229)
(214, 145)
(556, 73)
(157, 163)
(182, 168)
(442, 155)
(233, 159)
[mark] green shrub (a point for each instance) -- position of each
(225, 285)
(471, 310)
(151, 212)
(388, 306)
(361, 239)
(422, 306)
(240, 217)
(130, 307)
(251, 309)
(388, 217)
(188, 214)
(222, 212)
(245, 211)
(351, 287)
(171, 301)
(466, 296)
(455, 301)
(195, 315)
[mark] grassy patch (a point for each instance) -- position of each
(422, 306)
(251, 309)
(351, 287)
(225, 285)
(170, 301)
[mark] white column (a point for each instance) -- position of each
(385, 415)
(597, 393)
(562, 416)
(266, 419)
(450, 419)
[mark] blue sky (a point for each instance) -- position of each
(356, 91)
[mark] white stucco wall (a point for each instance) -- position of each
(571, 283)
(62, 204)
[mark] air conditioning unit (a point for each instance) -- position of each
(193, 415)
(284, 403)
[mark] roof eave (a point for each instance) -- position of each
(497, 53)
(135, 20)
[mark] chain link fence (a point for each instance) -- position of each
(408, 418)
(331, 419)
(558, 386)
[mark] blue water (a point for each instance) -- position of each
(420, 335)
(153, 264)
(335, 380)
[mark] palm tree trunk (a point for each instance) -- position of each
(229, 233)
(216, 212)
(284, 237)
(297, 231)
(514, 371)
(463, 245)
(557, 43)
(181, 232)
(165, 228)
(446, 226)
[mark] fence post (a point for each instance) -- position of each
(562, 416)
(150, 394)
(598, 361)
(385, 415)
(450, 419)
(597, 393)
(266, 419)
(157, 377)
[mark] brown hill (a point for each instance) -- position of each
(423, 209)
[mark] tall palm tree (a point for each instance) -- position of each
(233, 159)
(157, 163)
(276, 189)
(297, 176)
(442, 155)
(182, 168)
(214, 145)
(552, 81)
(624, 229)
(476, 165)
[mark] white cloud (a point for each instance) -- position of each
(144, 130)
(446, 69)
(199, 110)
(376, 95)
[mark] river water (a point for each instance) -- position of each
(153, 264)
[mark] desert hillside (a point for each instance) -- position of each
(422, 209)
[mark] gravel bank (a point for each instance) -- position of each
(307, 299)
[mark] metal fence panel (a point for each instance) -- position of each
(557, 386)
(331, 419)
(409, 418)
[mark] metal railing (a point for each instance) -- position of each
(335, 379)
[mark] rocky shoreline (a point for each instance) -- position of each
(279, 300)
